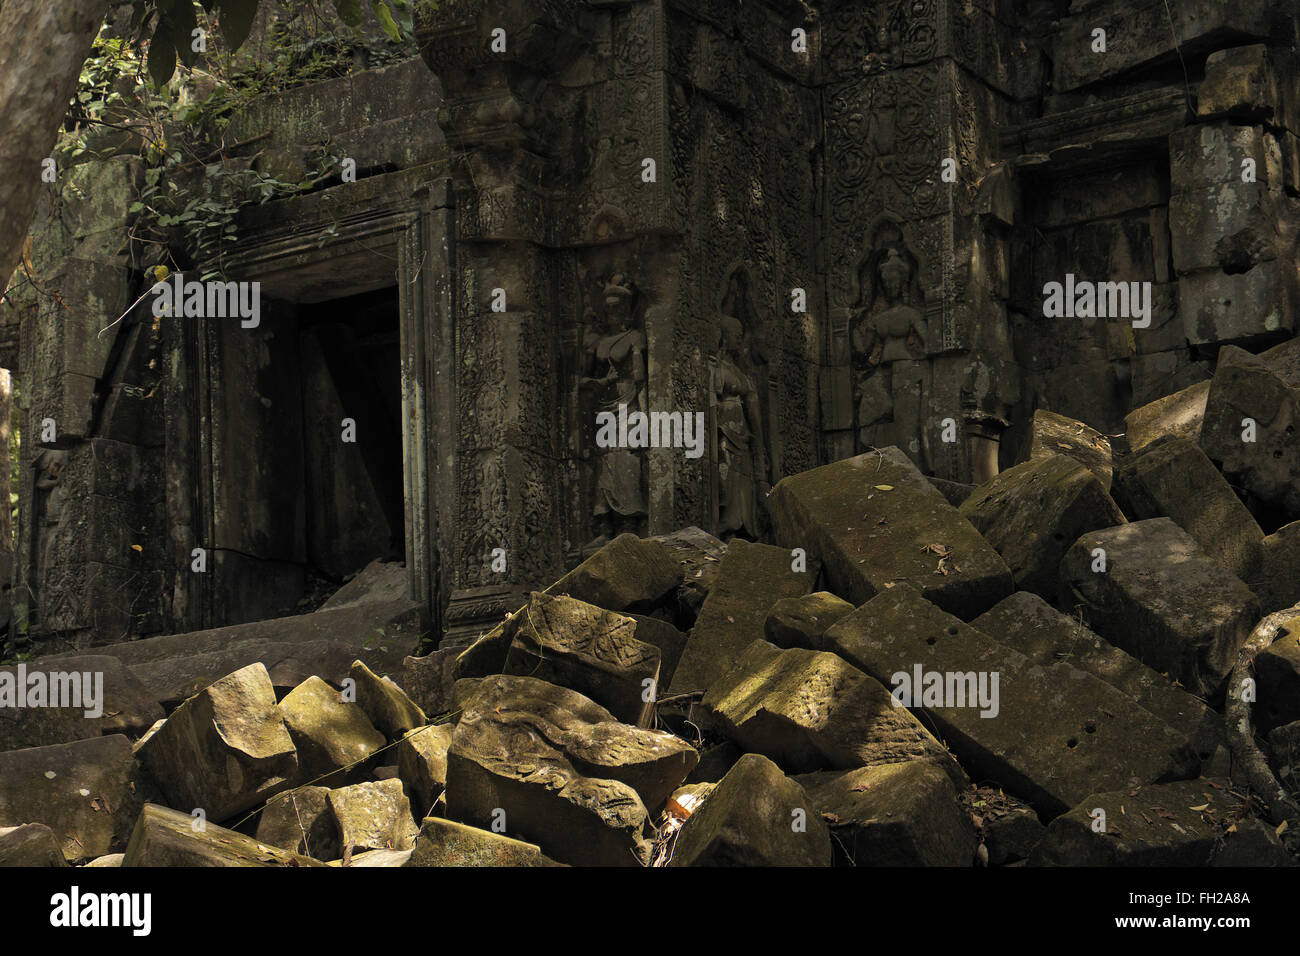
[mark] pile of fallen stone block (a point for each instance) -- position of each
(1034, 671)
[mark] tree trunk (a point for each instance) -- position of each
(43, 44)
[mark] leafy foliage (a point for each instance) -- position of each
(193, 186)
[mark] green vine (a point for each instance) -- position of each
(196, 180)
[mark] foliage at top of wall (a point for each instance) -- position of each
(133, 100)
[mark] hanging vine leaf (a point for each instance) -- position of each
(162, 55)
(183, 25)
(236, 20)
(386, 20)
(349, 11)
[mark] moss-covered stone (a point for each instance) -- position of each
(1048, 735)
(801, 621)
(627, 574)
(330, 734)
(384, 703)
(1033, 512)
(751, 578)
(165, 837)
(448, 843)
(809, 710)
(755, 816)
(587, 649)
(874, 521)
(1161, 599)
(1173, 478)
(897, 814)
(1053, 434)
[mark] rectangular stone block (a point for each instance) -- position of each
(1157, 595)
(1173, 478)
(751, 578)
(1028, 624)
(1227, 226)
(1053, 733)
(1211, 154)
(1256, 305)
(1033, 512)
(1178, 415)
(874, 521)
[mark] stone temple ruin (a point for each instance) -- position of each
(986, 312)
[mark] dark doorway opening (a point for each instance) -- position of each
(350, 352)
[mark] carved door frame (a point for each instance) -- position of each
(415, 223)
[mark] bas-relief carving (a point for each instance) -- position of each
(888, 338)
(615, 351)
(743, 475)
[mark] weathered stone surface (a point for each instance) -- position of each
(165, 837)
(510, 753)
(175, 679)
(1238, 81)
(748, 821)
(1029, 625)
(226, 749)
(801, 621)
(422, 765)
(330, 734)
(1161, 600)
(42, 726)
(125, 705)
(651, 762)
(373, 816)
(627, 574)
(377, 581)
(698, 554)
(87, 792)
(955, 491)
(1166, 825)
(384, 703)
(107, 860)
(1224, 226)
(1033, 512)
(751, 578)
(1178, 415)
(1173, 478)
(670, 641)
(448, 843)
(898, 814)
(427, 680)
(1138, 36)
(1258, 305)
(810, 710)
(1053, 434)
(1056, 732)
(1012, 836)
(1278, 583)
(388, 859)
(872, 520)
(301, 821)
(587, 649)
(1277, 678)
(1266, 389)
(30, 844)
(355, 626)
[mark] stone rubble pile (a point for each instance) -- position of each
(1035, 675)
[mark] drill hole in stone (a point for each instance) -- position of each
(1072, 743)
(1090, 728)
(931, 640)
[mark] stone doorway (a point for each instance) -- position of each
(350, 351)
